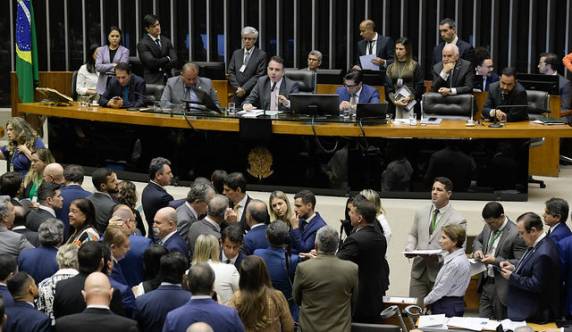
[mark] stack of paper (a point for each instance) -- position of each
(436, 321)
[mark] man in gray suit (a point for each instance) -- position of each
(325, 287)
(11, 243)
(189, 86)
(217, 210)
(246, 65)
(425, 234)
(105, 183)
(452, 76)
(194, 208)
(271, 91)
(497, 242)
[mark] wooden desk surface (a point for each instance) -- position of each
(447, 129)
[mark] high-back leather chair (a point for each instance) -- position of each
(74, 85)
(457, 106)
(153, 93)
(212, 70)
(306, 79)
(538, 102)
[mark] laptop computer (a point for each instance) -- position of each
(371, 113)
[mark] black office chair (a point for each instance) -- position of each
(212, 70)
(136, 65)
(448, 107)
(153, 93)
(306, 79)
(538, 102)
(329, 76)
(360, 327)
(74, 85)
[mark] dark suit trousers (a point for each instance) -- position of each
(490, 305)
(450, 306)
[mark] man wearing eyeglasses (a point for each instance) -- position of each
(355, 92)
(246, 65)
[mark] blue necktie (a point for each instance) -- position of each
(125, 94)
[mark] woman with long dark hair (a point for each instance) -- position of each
(22, 142)
(87, 76)
(82, 219)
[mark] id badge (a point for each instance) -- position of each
(399, 82)
(242, 68)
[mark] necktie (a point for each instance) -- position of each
(433, 221)
(302, 225)
(523, 258)
(125, 94)
(549, 230)
(484, 84)
(158, 42)
(227, 261)
(370, 47)
(354, 99)
(273, 98)
(187, 93)
(246, 57)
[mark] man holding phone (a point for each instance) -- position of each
(124, 90)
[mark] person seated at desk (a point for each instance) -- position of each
(271, 91)
(548, 65)
(314, 60)
(87, 76)
(124, 90)
(452, 76)
(507, 91)
(355, 92)
(189, 86)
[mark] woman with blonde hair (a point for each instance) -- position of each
(34, 177)
(22, 142)
(207, 250)
(260, 307)
(373, 196)
(280, 207)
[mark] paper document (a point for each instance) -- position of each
(476, 266)
(432, 321)
(366, 64)
(400, 299)
(426, 252)
(468, 323)
(431, 120)
(508, 324)
(256, 112)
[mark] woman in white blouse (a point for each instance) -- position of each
(207, 249)
(87, 76)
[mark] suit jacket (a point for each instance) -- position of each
(103, 204)
(176, 243)
(174, 92)
(325, 303)
(40, 263)
(535, 285)
(384, 48)
(510, 247)
(460, 78)
(516, 97)
(36, 217)
(478, 84)
(136, 95)
(260, 94)
(157, 62)
(466, 51)
(153, 198)
(31, 236)
(255, 239)
(11, 243)
(242, 221)
(559, 233)
(68, 299)
(69, 193)
(303, 238)
(565, 93)
(419, 238)
(95, 320)
(565, 246)
(373, 269)
(126, 296)
(132, 263)
(368, 95)
(185, 218)
(6, 296)
(255, 68)
(220, 317)
(105, 67)
(281, 274)
(153, 307)
(201, 227)
(24, 317)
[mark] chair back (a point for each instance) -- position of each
(457, 106)
(136, 66)
(153, 92)
(538, 102)
(212, 70)
(306, 79)
(74, 85)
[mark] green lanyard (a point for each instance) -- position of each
(493, 238)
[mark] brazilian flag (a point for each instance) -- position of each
(26, 51)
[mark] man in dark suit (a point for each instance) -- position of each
(125, 90)
(97, 316)
(8, 267)
(154, 195)
(190, 87)
(497, 242)
(355, 92)
(165, 231)
(448, 32)
(194, 208)
(50, 200)
(555, 216)
(306, 223)
(211, 224)
(156, 52)
(201, 307)
(535, 281)
(73, 175)
(565, 247)
(325, 287)
(373, 269)
(105, 182)
(246, 65)
(235, 189)
(271, 92)
(40, 263)
(92, 256)
(484, 70)
(232, 239)
(507, 91)
(257, 218)
(153, 307)
(452, 76)
(548, 64)
(373, 43)
(22, 316)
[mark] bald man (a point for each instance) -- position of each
(373, 43)
(97, 316)
(189, 86)
(54, 173)
(165, 231)
(200, 327)
(453, 75)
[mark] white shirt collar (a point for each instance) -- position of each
(214, 223)
(455, 40)
(249, 51)
(444, 208)
(542, 236)
(242, 202)
(47, 208)
(153, 181)
(163, 240)
(256, 225)
(374, 40)
(201, 297)
(232, 260)
(97, 306)
(164, 283)
(192, 210)
(153, 38)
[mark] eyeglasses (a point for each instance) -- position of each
(351, 86)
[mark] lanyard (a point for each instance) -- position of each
(493, 238)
